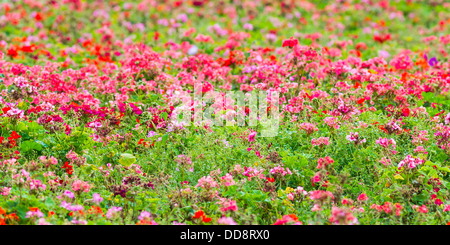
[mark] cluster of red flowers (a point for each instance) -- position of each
(291, 42)
(271, 180)
(5, 217)
(145, 143)
(96, 210)
(12, 139)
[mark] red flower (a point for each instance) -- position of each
(69, 168)
(13, 52)
(14, 135)
(405, 112)
(206, 219)
(382, 38)
(360, 101)
(6, 109)
(199, 214)
(294, 217)
(291, 42)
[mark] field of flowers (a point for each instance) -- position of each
(93, 92)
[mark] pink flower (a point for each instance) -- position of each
(342, 216)
(420, 149)
(96, 198)
(410, 162)
(354, 137)
(320, 141)
(113, 212)
(226, 221)
(5, 191)
(363, 197)
(227, 205)
(384, 142)
(80, 186)
(447, 208)
(316, 208)
(68, 194)
(324, 162)
(421, 209)
(145, 216)
(34, 214)
(346, 201)
(207, 182)
(309, 128)
(228, 180)
(385, 161)
(320, 195)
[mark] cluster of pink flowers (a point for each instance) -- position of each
(250, 172)
(48, 161)
(410, 162)
(308, 127)
(331, 122)
(5, 191)
(279, 171)
(320, 141)
(227, 205)
(386, 143)
(113, 212)
(226, 221)
(80, 186)
(354, 137)
(388, 208)
(341, 216)
(184, 161)
(146, 217)
(320, 195)
(322, 163)
(207, 182)
(297, 193)
(34, 214)
(421, 209)
(385, 161)
(228, 180)
(251, 137)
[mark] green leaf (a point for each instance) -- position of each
(164, 138)
(49, 202)
(164, 115)
(30, 145)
